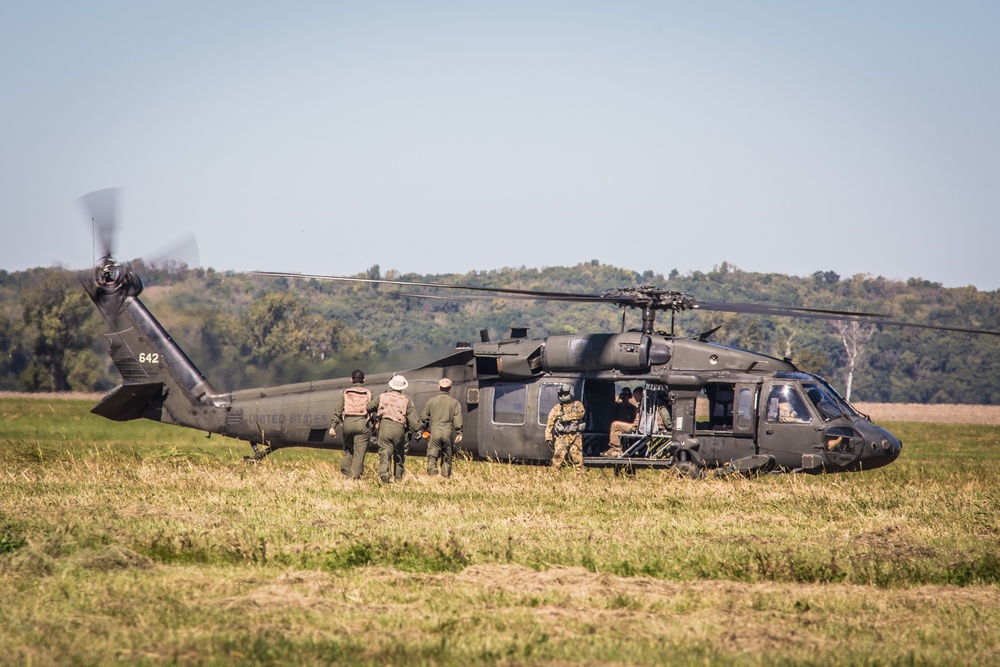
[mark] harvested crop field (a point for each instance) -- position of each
(941, 413)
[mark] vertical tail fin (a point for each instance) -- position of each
(160, 382)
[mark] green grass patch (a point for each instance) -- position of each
(143, 543)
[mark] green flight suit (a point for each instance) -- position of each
(393, 438)
(357, 435)
(442, 416)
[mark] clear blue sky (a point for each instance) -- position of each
(791, 137)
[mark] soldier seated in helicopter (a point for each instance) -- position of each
(652, 422)
(622, 421)
(785, 405)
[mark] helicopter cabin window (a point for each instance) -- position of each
(744, 409)
(714, 407)
(509, 403)
(786, 405)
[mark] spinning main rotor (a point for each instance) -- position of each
(647, 298)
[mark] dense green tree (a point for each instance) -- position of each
(59, 329)
(245, 330)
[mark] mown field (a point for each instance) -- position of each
(139, 543)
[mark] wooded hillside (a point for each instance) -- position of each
(243, 330)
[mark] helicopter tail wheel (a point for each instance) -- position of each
(258, 453)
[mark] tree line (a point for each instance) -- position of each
(243, 330)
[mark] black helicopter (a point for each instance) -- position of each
(733, 410)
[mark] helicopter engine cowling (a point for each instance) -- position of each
(597, 352)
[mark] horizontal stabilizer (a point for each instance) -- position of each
(131, 401)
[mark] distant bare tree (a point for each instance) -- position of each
(854, 336)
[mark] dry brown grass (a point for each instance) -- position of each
(141, 543)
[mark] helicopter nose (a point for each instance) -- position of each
(884, 449)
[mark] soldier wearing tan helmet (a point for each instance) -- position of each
(442, 417)
(397, 419)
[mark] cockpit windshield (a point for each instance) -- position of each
(829, 404)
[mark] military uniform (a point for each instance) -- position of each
(563, 431)
(622, 421)
(350, 408)
(397, 419)
(442, 416)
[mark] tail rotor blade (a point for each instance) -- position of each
(100, 208)
(183, 251)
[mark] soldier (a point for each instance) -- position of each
(656, 407)
(443, 417)
(350, 408)
(563, 429)
(397, 419)
(622, 421)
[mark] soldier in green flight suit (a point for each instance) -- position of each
(563, 431)
(397, 420)
(350, 408)
(442, 416)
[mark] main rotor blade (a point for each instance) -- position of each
(536, 294)
(485, 297)
(100, 208)
(646, 297)
(823, 314)
(787, 311)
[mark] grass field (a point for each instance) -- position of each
(140, 543)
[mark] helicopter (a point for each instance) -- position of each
(733, 410)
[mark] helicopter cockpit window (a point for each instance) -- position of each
(786, 405)
(826, 404)
(846, 407)
(509, 403)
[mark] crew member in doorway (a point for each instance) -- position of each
(564, 429)
(622, 421)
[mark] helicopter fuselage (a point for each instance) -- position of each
(731, 408)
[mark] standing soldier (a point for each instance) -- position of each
(442, 416)
(563, 429)
(350, 408)
(397, 419)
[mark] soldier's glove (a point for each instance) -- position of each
(332, 432)
(458, 438)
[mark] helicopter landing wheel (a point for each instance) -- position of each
(687, 469)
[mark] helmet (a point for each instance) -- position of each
(444, 383)
(565, 393)
(398, 382)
